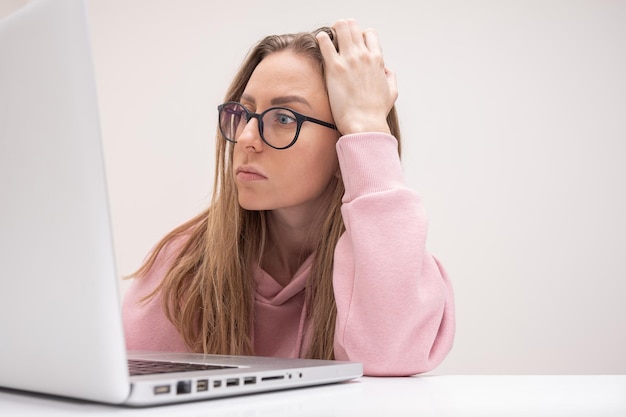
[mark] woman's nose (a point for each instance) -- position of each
(250, 137)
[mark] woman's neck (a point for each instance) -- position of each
(291, 240)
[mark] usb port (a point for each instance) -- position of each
(217, 383)
(202, 385)
(232, 382)
(249, 380)
(161, 389)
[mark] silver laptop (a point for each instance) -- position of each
(60, 319)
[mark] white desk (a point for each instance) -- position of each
(471, 395)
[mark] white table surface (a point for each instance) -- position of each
(428, 395)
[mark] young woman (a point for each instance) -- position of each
(312, 245)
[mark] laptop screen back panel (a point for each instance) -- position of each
(57, 270)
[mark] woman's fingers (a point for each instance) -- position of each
(361, 90)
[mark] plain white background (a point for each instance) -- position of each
(513, 116)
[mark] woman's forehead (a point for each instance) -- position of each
(285, 74)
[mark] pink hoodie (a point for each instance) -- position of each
(395, 305)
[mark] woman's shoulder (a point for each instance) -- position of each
(172, 246)
(155, 267)
(160, 259)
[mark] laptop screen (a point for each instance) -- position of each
(59, 297)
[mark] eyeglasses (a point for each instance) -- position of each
(279, 127)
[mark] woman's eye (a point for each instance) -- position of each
(285, 119)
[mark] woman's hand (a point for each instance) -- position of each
(360, 89)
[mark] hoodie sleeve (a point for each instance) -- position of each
(395, 304)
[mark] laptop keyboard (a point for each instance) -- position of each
(146, 367)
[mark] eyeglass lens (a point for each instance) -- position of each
(278, 127)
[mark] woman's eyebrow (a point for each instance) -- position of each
(277, 101)
(247, 97)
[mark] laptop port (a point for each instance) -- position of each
(273, 378)
(161, 389)
(232, 382)
(202, 385)
(217, 383)
(249, 380)
(183, 387)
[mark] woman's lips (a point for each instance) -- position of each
(247, 173)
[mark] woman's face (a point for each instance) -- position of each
(292, 179)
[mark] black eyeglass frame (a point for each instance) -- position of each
(300, 118)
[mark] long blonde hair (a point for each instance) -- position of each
(208, 292)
